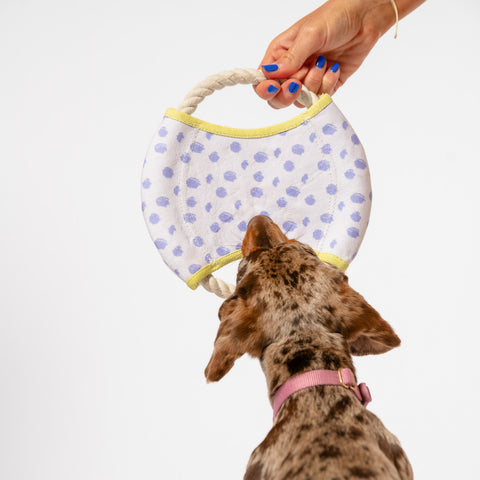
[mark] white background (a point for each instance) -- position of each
(102, 348)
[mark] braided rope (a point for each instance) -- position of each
(217, 286)
(205, 88)
(228, 78)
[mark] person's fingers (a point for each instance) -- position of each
(330, 79)
(288, 93)
(267, 89)
(314, 78)
(293, 59)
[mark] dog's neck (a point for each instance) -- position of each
(301, 352)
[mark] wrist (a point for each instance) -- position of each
(379, 15)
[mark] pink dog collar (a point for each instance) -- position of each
(342, 377)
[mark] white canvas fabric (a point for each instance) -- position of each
(202, 183)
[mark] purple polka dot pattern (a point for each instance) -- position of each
(167, 172)
(193, 183)
(162, 201)
(260, 157)
(221, 192)
(323, 165)
(258, 176)
(160, 243)
(357, 198)
(200, 189)
(190, 218)
(153, 218)
(289, 226)
(355, 216)
(230, 176)
(226, 217)
(288, 166)
(194, 268)
(198, 241)
(298, 149)
(331, 189)
(256, 192)
(235, 147)
(160, 148)
(353, 232)
(361, 164)
(293, 191)
(329, 129)
(214, 157)
(242, 226)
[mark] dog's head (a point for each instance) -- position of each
(283, 287)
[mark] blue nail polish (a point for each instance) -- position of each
(335, 67)
(320, 61)
(270, 68)
(293, 87)
(272, 89)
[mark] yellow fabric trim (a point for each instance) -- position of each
(317, 107)
(193, 281)
(333, 260)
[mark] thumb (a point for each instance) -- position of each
(292, 60)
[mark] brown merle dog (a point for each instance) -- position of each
(297, 314)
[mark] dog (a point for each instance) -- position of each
(298, 314)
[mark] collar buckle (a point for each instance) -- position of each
(348, 385)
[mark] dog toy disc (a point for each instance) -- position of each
(202, 183)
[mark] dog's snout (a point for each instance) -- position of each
(262, 232)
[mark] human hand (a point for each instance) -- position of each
(323, 49)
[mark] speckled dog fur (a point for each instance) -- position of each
(296, 314)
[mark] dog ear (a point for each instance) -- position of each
(364, 329)
(238, 333)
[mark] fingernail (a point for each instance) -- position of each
(320, 61)
(335, 67)
(272, 89)
(293, 87)
(270, 68)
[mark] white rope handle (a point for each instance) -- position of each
(189, 105)
(217, 286)
(229, 78)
